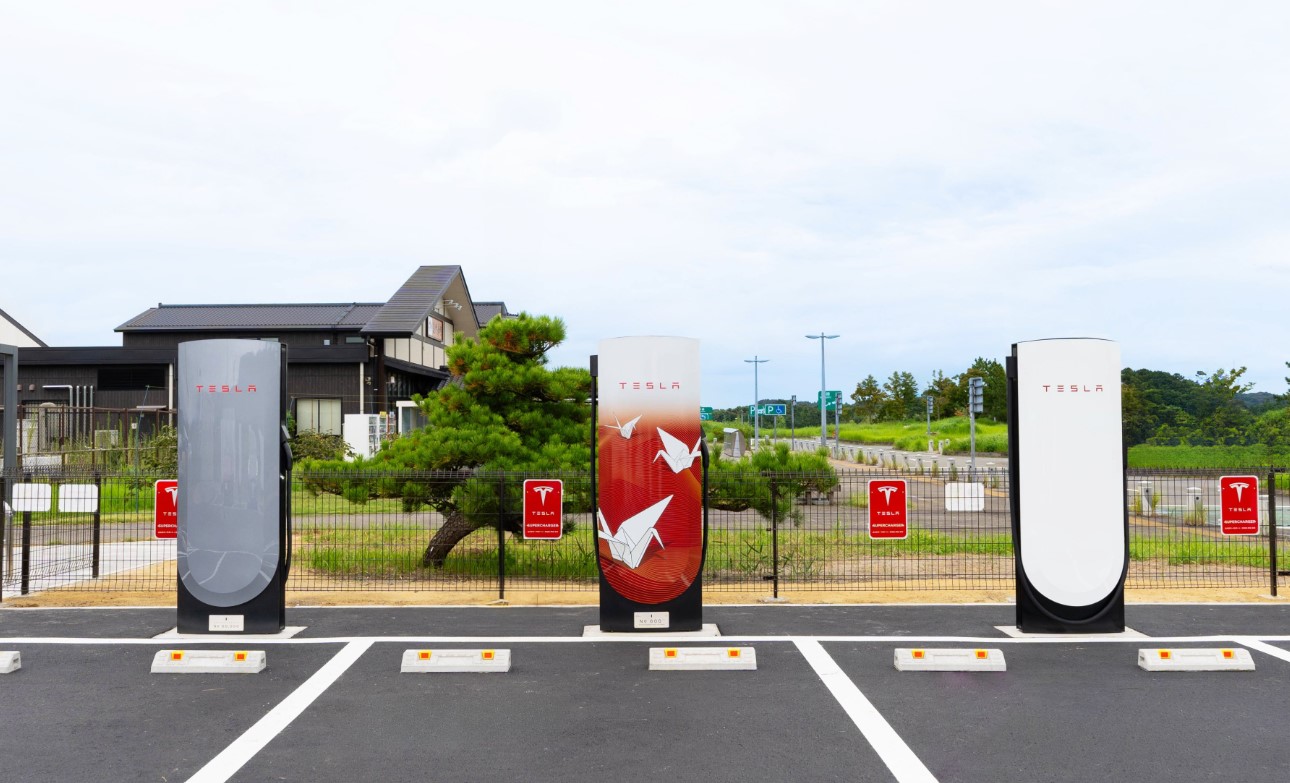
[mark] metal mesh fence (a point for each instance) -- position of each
(381, 531)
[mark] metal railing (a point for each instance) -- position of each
(381, 531)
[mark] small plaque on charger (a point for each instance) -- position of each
(226, 623)
(652, 620)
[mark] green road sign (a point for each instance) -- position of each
(705, 414)
(831, 401)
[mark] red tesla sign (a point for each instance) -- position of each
(165, 509)
(543, 505)
(1239, 496)
(887, 503)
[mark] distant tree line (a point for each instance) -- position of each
(1160, 408)
(900, 398)
(1213, 409)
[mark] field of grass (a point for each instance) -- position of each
(991, 436)
(394, 552)
(1206, 457)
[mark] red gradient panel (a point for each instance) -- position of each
(650, 520)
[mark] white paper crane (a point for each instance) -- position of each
(626, 430)
(676, 454)
(629, 543)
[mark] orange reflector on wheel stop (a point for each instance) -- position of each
(949, 660)
(455, 660)
(1196, 659)
(702, 659)
(208, 661)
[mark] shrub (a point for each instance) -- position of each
(309, 444)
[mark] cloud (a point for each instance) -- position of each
(932, 186)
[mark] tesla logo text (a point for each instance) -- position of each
(1073, 387)
(226, 389)
(649, 385)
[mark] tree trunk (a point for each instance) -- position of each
(455, 527)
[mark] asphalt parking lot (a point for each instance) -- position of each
(825, 702)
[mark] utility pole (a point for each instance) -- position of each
(756, 400)
(824, 422)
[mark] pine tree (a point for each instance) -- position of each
(503, 410)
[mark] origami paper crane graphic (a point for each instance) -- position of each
(675, 453)
(629, 543)
(626, 430)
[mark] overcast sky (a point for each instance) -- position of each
(930, 181)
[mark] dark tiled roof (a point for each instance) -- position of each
(263, 316)
(416, 299)
(487, 311)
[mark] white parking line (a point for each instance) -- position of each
(1254, 644)
(253, 740)
(893, 751)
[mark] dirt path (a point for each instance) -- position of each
(589, 597)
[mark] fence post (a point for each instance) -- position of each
(98, 527)
(26, 553)
(25, 560)
(774, 538)
(1272, 527)
(501, 537)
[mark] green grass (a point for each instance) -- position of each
(1205, 457)
(394, 552)
(912, 435)
(1253, 554)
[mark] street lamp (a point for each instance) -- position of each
(824, 426)
(756, 400)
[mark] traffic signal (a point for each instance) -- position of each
(976, 394)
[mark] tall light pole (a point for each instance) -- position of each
(756, 400)
(824, 422)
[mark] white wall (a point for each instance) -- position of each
(10, 334)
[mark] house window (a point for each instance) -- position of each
(318, 415)
(132, 378)
(434, 329)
